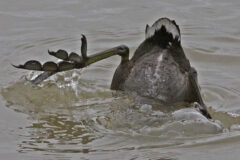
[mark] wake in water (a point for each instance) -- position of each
(68, 111)
(108, 109)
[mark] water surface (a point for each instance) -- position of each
(74, 115)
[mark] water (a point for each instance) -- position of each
(74, 115)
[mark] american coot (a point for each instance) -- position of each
(158, 70)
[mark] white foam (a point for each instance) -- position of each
(169, 25)
(188, 114)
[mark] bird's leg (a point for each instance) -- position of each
(72, 60)
(72, 57)
(194, 83)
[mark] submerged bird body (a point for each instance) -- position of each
(159, 69)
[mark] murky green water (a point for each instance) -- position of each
(74, 115)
